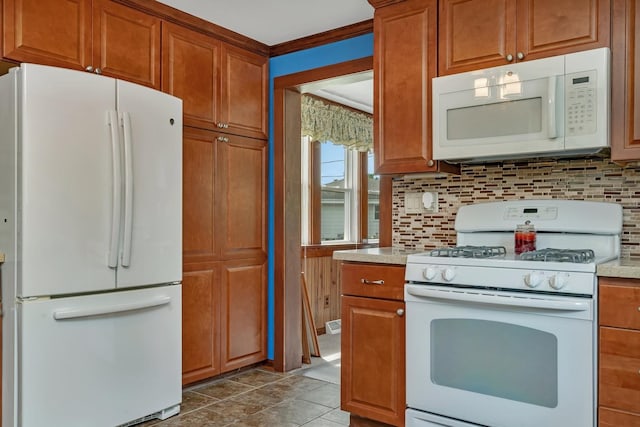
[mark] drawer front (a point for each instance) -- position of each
(611, 418)
(373, 280)
(620, 303)
(619, 378)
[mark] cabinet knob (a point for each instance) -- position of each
(222, 139)
(509, 57)
(400, 312)
(371, 282)
(98, 71)
(222, 125)
(89, 68)
(431, 163)
(520, 55)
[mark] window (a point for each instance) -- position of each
(340, 196)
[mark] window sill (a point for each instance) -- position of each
(327, 249)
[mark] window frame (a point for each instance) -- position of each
(356, 179)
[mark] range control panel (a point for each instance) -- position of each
(531, 213)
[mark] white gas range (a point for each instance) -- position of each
(504, 340)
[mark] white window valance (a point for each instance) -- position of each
(326, 121)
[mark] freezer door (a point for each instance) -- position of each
(151, 248)
(99, 360)
(65, 178)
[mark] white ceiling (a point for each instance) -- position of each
(355, 90)
(276, 21)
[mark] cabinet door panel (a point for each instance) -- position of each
(404, 63)
(619, 381)
(372, 382)
(551, 27)
(619, 301)
(200, 325)
(475, 34)
(625, 75)
(198, 195)
(50, 32)
(244, 94)
(243, 180)
(244, 314)
(190, 64)
(126, 43)
(610, 418)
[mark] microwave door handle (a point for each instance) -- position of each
(552, 130)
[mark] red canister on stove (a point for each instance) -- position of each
(525, 238)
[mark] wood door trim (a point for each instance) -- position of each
(287, 297)
(335, 35)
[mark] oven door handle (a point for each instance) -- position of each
(492, 299)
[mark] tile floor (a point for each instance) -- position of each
(260, 397)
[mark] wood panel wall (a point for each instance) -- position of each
(323, 282)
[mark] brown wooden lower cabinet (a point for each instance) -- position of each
(224, 314)
(200, 324)
(243, 314)
(619, 353)
(372, 383)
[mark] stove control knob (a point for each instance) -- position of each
(559, 281)
(533, 279)
(430, 272)
(448, 274)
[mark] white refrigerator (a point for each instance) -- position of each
(91, 227)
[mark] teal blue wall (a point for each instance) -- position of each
(329, 54)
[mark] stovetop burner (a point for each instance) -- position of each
(470, 251)
(581, 256)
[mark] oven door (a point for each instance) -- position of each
(500, 359)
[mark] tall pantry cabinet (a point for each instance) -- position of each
(222, 78)
(225, 183)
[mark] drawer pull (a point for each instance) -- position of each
(372, 282)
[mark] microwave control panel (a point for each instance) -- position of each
(580, 103)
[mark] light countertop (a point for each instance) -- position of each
(624, 268)
(387, 255)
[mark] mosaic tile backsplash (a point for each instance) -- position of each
(583, 179)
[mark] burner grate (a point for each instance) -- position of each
(470, 251)
(581, 256)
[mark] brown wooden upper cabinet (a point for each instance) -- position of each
(476, 34)
(94, 35)
(223, 88)
(404, 63)
(625, 79)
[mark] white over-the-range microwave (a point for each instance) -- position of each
(551, 107)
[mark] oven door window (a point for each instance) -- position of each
(495, 358)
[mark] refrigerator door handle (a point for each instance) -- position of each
(67, 314)
(128, 191)
(116, 193)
